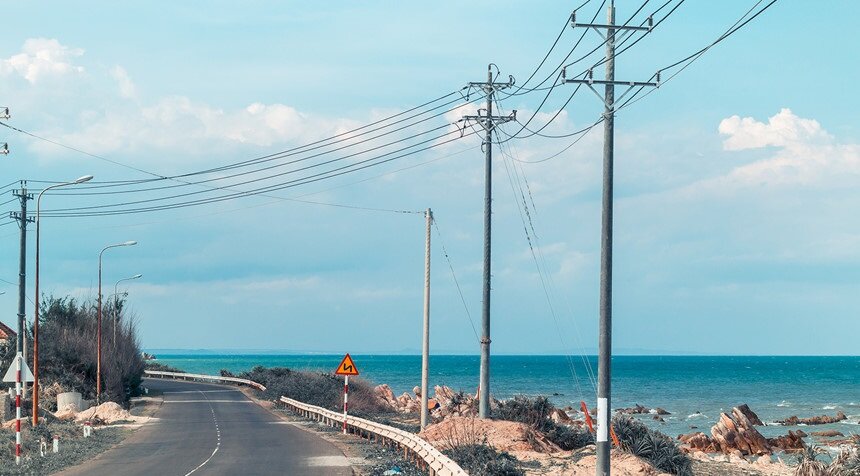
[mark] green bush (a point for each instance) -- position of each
(484, 460)
(68, 349)
(316, 388)
(158, 366)
(653, 446)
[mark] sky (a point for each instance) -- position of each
(735, 180)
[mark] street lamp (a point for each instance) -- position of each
(116, 302)
(99, 344)
(85, 178)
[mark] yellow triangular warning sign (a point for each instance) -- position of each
(346, 367)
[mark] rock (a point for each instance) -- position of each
(417, 391)
(801, 433)
(790, 442)
(659, 418)
(736, 432)
(736, 457)
(634, 410)
(698, 441)
(751, 416)
(828, 433)
(763, 461)
(386, 395)
(560, 416)
(660, 411)
(451, 403)
(816, 420)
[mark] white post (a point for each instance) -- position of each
(425, 347)
(18, 359)
(56, 444)
(345, 400)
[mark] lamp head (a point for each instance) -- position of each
(129, 243)
(85, 178)
(136, 276)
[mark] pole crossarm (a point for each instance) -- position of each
(17, 216)
(490, 122)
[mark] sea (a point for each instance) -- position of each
(694, 389)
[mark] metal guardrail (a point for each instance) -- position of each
(185, 376)
(422, 452)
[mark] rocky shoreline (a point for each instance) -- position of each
(732, 440)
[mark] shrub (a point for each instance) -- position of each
(67, 350)
(316, 388)
(158, 366)
(653, 446)
(483, 460)
(846, 464)
(536, 413)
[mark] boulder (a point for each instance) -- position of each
(386, 395)
(790, 442)
(634, 410)
(751, 416)
(736, 433)
(660, 411)
(560, 416)
(828, 433)
(816, 420)
(801, 433)
(697, 441)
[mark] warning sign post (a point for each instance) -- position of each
(346, 368)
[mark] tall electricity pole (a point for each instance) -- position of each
(22, 218)
(488, 121)
(604, 361)
(425, 341)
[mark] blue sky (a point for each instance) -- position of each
(735, 180)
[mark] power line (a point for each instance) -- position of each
(163, 177)
(351, 168)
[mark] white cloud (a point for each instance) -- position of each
(785, 129)
(41, 58)
(124, 82)
(806, 153)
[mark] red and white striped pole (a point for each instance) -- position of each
(345, 400)
(18, 409)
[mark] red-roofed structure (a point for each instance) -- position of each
(6, 333)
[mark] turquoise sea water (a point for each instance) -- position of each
(774, 387)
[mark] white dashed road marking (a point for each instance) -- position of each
(217, 431)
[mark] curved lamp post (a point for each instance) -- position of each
(116, 302)
(99, 344)
(85, 178)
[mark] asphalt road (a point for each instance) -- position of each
(205, 429)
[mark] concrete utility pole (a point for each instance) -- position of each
(604, 362)
(488, 121)
(22, 219)
(425, 343)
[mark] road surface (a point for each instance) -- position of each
(205, 429)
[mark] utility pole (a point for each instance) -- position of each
(488, 121)
(604, 361)
(425, 343)
(4, 147)
(22, 219)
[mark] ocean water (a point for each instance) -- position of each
(694, 389)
